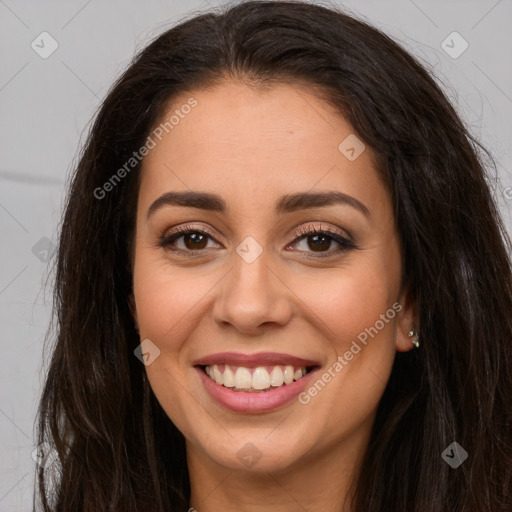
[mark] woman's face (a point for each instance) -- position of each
(253, 291)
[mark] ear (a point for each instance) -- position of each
(133, 310)
(407, 320)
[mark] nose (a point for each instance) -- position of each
(252, 296)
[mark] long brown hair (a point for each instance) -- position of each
(117, 449)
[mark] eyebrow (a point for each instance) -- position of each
(286, 204)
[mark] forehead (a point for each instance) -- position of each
(253, 145)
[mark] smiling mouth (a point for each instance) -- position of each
(259, 379)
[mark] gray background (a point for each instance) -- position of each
(46, 104)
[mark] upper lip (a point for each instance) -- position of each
(254, 360)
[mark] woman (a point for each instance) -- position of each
(282, 283)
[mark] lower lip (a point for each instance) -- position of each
(239, 401)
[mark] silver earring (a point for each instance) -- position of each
(415, 342)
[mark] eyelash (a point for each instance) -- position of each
(345, 244)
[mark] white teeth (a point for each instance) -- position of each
(288, 374)
(229, 377)
(217, 376)
(276, 376)
(260, 379)
(243, 378)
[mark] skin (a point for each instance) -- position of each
(251, 146)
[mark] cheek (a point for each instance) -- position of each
(348, 302)
(169, 306)
(166, 297)
(356, 316)
(356, 312)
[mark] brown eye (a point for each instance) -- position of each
(319, 240)
(187, 240)
(195, 240)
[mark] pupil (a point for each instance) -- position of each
(322, 245)
(197, 241)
